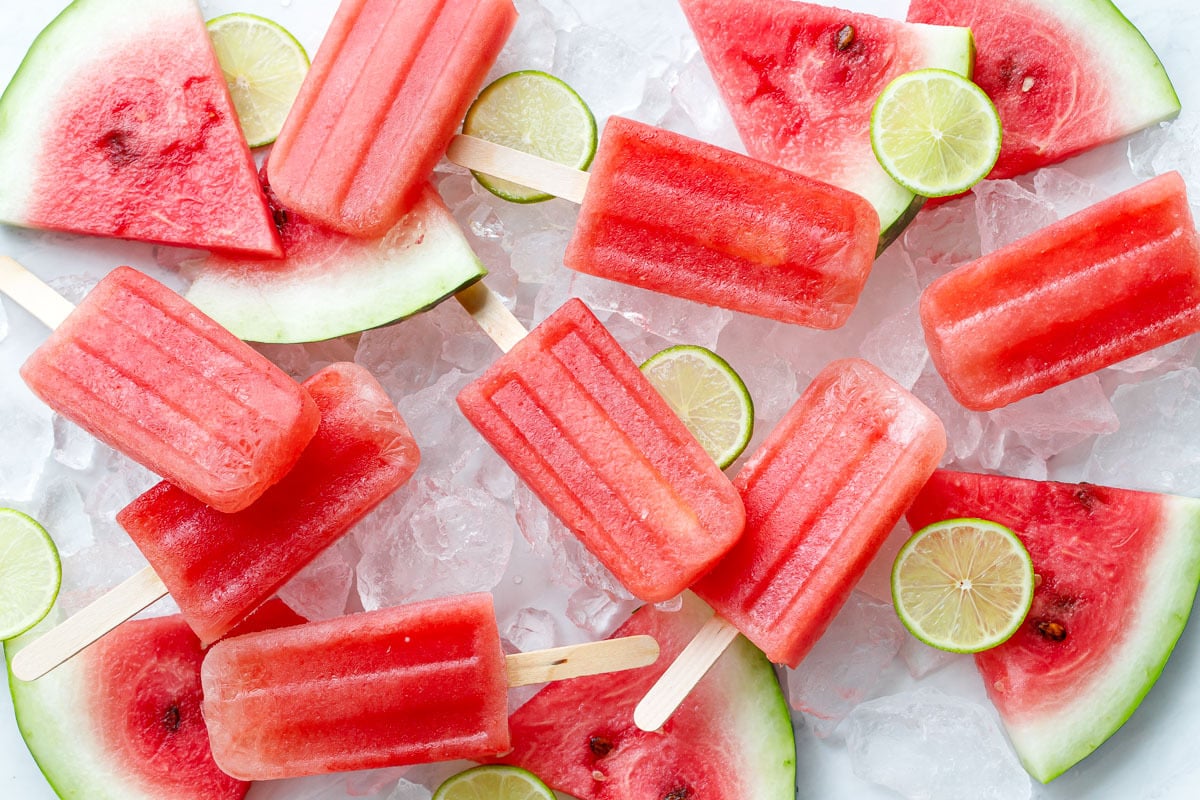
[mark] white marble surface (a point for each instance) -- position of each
(1152, 756)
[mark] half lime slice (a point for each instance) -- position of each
(935, 132)
(536, 113)
(708, 395)
(494, 783)
(264, 66)
(30, 573)
(963, 585)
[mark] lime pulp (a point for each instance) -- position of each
(494, 783)
(30, 573)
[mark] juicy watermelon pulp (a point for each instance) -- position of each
(730, 740)
(800, 80)
(1117, 574)
(121, 721)
(1065, 75)
(119, 123)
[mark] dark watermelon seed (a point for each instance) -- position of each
(172, 718)
(682, 793)
(1054, 631)
(845, 37)
(600, 746)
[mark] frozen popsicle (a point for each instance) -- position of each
(822, 493)
(219, 567)
(581, 425)
(411, 684)
(1102, 285)
(665, 212)
(147, 373)
(388, 87)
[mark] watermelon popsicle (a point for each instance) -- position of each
(416, 683)
(579, 423)
(1114, 280)
(822, 493)
(388, 87)
(150, 375)
(665, 212)
(220, 567)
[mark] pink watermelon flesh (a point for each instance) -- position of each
(1117, 572)
(730, 740)
(122, 720)
(143, 142)
(1065, 75)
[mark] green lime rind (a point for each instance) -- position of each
(717, 408)
(913, 160)
(535, 112)
(905, 605)
(30, 573)
(261, 122)
(496, 782)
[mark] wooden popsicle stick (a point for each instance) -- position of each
(492, 315)
(684, 673)
(87, 626)
(577, 660)
(529, 170)
(32, 294)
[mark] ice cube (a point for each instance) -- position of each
(921, 659)
(73, 446)
(602, 67)
(927, 745)
(27, 434)
(322, 589)
(1155, 447)
(846, 662)
(1006, 211)
(599, 612)
(897, 346)
(532, 629)
(61, 512)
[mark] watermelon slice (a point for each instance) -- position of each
(1065, 75)
(119, 123)
(732, 738)
(121, 721)
(1118, 571)
(800, 80)
(330, 284)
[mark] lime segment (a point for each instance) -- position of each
(708, 395)
(30, 573)
(536, 113)
(493, 783)
(935, 132)
(264, 66)
(963, 585)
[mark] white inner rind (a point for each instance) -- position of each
(77, 43)
(1055, 740)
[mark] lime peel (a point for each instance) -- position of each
(963, 585)
(534, 112)
(495, 782)
(708, 395)
(935, 132)
(30, 573)
(264, 66)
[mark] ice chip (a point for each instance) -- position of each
(61, 512)
(846, 663)
(73, 446)
(531, 629)
(602, 67)
(927, 745)
(1006, 211)
(322, 589)
(599, 612)
(897, 346)
(28, 436)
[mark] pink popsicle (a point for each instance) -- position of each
(389, 85)
(1116, 279)
(581, 425)
(220, 567)
(147, 373)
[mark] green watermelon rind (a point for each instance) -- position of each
(347, 296)
(764, 722)
(71, 756)
(1054, 742)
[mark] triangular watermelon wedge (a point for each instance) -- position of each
(1065, 75)
(1117, 574)
(119, 123)
(800, 80)
(730, 740)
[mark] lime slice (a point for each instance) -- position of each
(536, 113)
(30, 573)
(494, 783)
(935, 132)
(707, 395)
(264, 66)
(963, 585)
